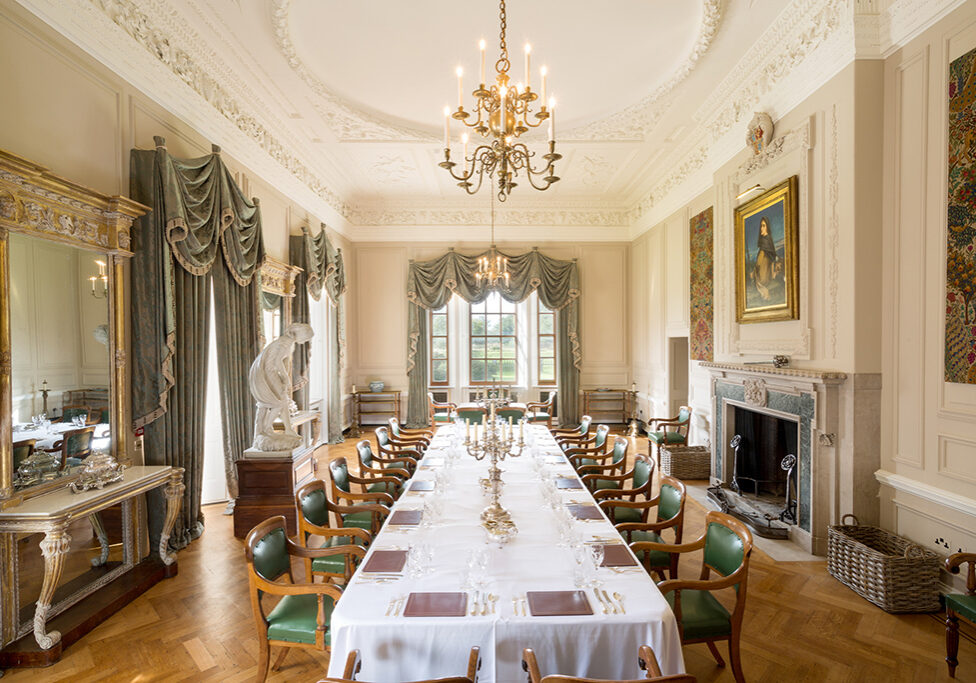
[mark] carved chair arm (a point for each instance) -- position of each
(641, 546)
(354, 663)
(954, 562)
(276, 588)
(647, 661)
(361, 507)
(377, 496)
(698, 584)
(309, 529)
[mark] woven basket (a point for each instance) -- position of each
(686, 462)
(883, 568)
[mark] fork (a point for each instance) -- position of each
(474, 609)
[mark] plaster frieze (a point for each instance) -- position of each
(833, 235)
(599, 217)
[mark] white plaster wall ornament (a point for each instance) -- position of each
(797, 138)
(797, 346)
(755, 391)
(599, 217)
(759, 132)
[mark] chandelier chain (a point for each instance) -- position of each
(502, 64)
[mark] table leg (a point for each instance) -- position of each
(174, 500)
(96, 522)
(54, 547)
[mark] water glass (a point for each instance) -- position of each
(596, 553)
(477, 574)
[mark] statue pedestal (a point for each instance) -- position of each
(255, 454)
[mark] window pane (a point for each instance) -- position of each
(508, 347)
(543, 308)
(494, 347)
(547, 347)
(438, 348)
(439, 326)
(547, 370)
(507, 306)
(477, 347)
(477, 371)
(494, 324)
(508, 323)
(546, 324)
(508, 370)
(477, 324)
(494, 371)
(439, 371)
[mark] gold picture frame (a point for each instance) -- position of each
(767, 282)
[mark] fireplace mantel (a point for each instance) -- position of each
(763, 369)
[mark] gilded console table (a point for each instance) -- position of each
(51, 514)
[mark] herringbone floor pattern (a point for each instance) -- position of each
(800, 625)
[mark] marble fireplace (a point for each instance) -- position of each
(837, 422)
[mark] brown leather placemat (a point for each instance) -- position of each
(585, 511)
(558, 603)
(391, 561)
(406, 517)
(617, 555)
(568, 483)
(422, 485)
(436, 605)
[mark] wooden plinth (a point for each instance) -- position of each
(265, 489)
(86, 614)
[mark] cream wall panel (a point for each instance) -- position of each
(382, 303)
(677, 269)
(603, 286)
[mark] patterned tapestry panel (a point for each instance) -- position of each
(960, 327)
(701, 318)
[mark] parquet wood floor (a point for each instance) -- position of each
(800, 625)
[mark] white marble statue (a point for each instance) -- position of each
(271, 384)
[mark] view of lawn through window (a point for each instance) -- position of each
(494, 342)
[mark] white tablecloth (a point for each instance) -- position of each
(47, 437)
(411, 648)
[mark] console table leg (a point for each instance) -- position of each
(96, 522)
(54, 547)
(174, 500)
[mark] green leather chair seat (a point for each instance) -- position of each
(360, 520)
(334, 564)
(701, 615)
(666, 437)
(382, 487)
(442, 417)
(538, 416)
(293, 619)
(651, 558)
(963, 605)
(629, 515)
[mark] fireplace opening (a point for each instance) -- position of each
(765, 441)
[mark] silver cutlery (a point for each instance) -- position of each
(389, 607)
(484, 604)
(606, 610)
(401, 603)
(515, 604)
(612, 604)
(493, 599)
(620, 599)
(474, 608)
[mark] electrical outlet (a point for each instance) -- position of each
(943, 542)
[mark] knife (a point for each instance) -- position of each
(606, 596)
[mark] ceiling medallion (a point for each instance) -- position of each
(503, 115)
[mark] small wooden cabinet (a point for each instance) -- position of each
(374, 408)
(608, 406)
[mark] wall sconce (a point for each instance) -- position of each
(746, 193)
(102, 292)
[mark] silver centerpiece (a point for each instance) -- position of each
(496, 442)
(99, 470)
(40, 466)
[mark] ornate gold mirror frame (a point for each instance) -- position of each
(35, 202)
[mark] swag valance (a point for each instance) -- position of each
(322, 269)
(430, 284)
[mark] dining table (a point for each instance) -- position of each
(47, 434)
(529, 592)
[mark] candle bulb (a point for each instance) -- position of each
(521, 430)
(552, 120)
(528, 73)
(467, 430)
(460, 74)
(464, 144)
(543, 71)
(481, 45)
(447, 127)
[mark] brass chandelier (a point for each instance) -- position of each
(503, 113)
(493, 268)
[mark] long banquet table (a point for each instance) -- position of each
(398, 648)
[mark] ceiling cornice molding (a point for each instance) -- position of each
(635, 121)
(349, 124)
(462, 216)
(479, 236)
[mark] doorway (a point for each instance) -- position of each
(677, 373)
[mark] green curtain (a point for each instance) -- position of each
(300, 314)
(198, 213)
(324, 270)
(430, 285)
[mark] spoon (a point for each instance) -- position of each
(493, 598)
(619, 598)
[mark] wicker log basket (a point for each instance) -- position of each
(686, 462)
(883, 568)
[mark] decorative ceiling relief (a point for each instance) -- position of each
(518, 217)
(392, 169)
(594, 170)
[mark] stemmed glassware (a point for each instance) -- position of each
(477, 573)
(420, 557)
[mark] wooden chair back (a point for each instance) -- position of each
(475, 416)
(646, 660)
(68, 412)
(354, 665)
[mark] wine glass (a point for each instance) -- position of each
(477, 568)
(596, 553)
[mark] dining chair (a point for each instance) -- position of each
(727, 545)
(590, 451)
(70, 412)
(471, 414)
(387, 476)
(541, 411)
(630, 518)
(512, 412)
(646, 660)
(74, 446)
(607, 470)
(354, 665)
(22, 450)
(417, 439)
(959, 606)
(439, 411)
(611, 487)
(579, 432)
(390, 452)
(365, 510)
(312, 507)
(301, 617)
(670, 430)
